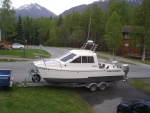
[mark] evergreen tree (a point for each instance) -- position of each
(19, 36)
(27, 28)
(7, 19)
(59, 20)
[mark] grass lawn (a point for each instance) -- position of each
(140, 61)
(28, 53)
(102, 57)
(143, 85)
(42, 100)
(9, 60)
(147, 61)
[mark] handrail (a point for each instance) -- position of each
(53, 60)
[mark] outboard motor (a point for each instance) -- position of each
(125, 68)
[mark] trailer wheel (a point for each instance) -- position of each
(36, 78)
(103, 86)
(93, 87)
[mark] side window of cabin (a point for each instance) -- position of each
(90, 59)
(87, 59)
(84, 59)
(77, 60)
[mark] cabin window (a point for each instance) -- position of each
(77, 60)
(90, 59)
(84, 59)
(87, 59)
(68, 57)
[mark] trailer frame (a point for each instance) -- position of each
(27, 83)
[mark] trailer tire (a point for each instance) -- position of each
(102, 86)
(36, 78)
(93, 87)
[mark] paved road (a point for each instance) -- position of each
(20, 69)
(137, 70)
(101, 101)
(107, 101)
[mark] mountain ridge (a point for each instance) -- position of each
(101, 3)
(34, 10)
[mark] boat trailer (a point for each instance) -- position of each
(34, 75)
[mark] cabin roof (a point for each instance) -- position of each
(83, 52)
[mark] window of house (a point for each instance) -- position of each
(126, 36)
(126, 45)
(138, 45)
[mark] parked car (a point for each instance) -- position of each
(17, 46)
(137, 106)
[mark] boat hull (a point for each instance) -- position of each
(80, 76)
(85, 80)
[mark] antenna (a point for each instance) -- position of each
(89, 27)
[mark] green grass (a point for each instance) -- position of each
(10, 60)
(29, 53)
(147, 61)
(106, 52)
(143, 85)
(126, 63)
(140, 61)
(102, 57)
(42, 100)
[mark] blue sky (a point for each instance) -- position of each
(56, 6)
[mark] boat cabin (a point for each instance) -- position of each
(79, 59)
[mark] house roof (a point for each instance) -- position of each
(127, 29)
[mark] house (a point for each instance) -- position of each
(131, 41)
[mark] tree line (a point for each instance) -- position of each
(73, 29)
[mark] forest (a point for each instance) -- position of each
(104, 27)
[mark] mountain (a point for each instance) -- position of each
(34, 10)
(101, 3)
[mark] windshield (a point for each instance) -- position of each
(67, 57)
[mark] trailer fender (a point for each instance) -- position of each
(102, 83)
(89, 85)
(103, 86)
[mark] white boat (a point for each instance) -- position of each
(79, 66)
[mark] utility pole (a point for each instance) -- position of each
(89, 27)
(0, 34)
